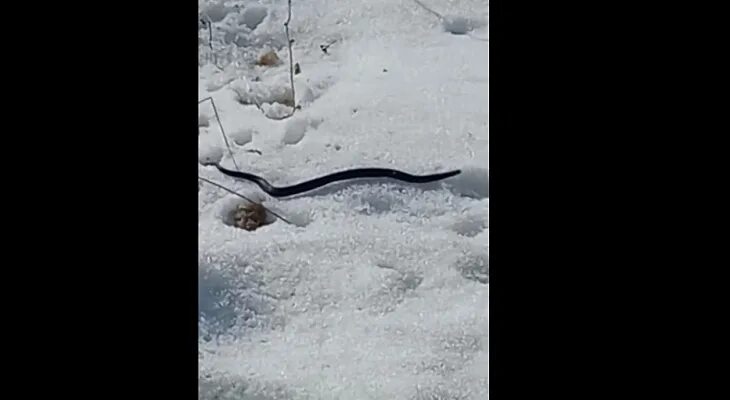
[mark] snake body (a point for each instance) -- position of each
(355, 173)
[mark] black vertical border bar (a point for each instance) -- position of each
(563, 82)
(115, 242)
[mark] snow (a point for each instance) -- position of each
(252, 16)
(378, 289)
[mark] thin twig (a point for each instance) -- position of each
(441, 17)
(291, 61)
(225, 138)
(218, 185)
(210, 36)
(213, 55)
(258, 105)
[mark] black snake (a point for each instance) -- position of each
(334, 177)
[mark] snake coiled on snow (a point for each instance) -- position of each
(355, 173)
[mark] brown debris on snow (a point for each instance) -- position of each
(268, 59)
(249, 216)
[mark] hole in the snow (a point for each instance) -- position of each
(203, 120)
(242, 214)
(242, 136)
(217, 11)
(472, 182)
(209, 155)
(253, 16)
(469, 227)
(295, 130)
(474, 266)
(460, 25)
(297, 218)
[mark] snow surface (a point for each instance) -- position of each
(379, 290)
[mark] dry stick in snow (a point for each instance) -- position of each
(210, 41)
(218, 185)
(225, 138)
(210, 45)
(210, 36)
(441, 17)
(213, 55)
(291, 73)
(258, 105)
(291, 61)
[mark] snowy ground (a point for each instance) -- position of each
(380, 290)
